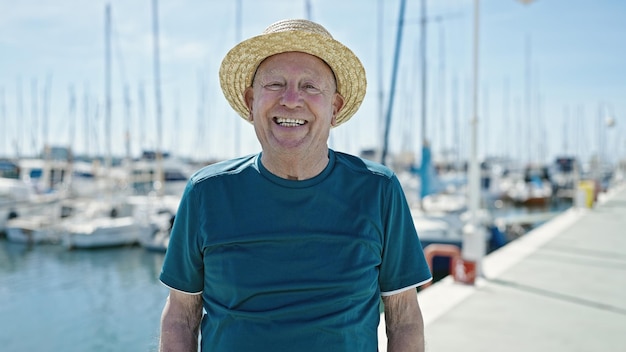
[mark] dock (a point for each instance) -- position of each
(560, 287)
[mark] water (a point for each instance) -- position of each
(52, 299)
(503, 210)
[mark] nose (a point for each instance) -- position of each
(292, 96)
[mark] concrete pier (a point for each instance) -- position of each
(561, 287)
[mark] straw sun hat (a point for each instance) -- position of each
(240, 63)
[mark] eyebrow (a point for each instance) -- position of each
(271, 71)
(332, 83)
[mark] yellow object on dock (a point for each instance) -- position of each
(586, 193)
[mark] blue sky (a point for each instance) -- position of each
(551, 73)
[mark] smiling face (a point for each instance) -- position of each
(293, 103)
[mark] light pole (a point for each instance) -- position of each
(474, 237)
(474, 245)
(606, 122)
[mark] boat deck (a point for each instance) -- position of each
(561, 287)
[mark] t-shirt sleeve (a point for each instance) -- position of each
(183, 267)
(403, 264)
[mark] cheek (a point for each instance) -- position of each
(321, 105)
(263, 101)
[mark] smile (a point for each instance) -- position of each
(289, 122)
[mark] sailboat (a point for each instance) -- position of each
(533, 188)
(168, 171)
(43, 227)
(36, 197)
(113, 220)
(105, 223)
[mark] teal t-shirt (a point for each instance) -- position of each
(285, 265)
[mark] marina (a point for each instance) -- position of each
(516, 181)
(109, 298)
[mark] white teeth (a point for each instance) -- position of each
(289, 122)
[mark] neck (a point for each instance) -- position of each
(295, 166)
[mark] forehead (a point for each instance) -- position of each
(295, 60)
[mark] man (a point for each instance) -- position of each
(291, 249)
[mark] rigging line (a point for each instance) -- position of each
(559, 296)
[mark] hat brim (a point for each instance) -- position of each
(240, 64)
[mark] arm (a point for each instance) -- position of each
(403, 320)
(180, 322)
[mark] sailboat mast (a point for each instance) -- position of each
(71, 143)
(238, 25)
(474, 171)
(157, 97)
(127, 114)
(307, 10)
(107, 87)
(379, 66)
(528, 97)
(394, 75)
(72, 116)
(425, 184)
(86, 126)
(47, 172)
(20, 118)
(34, 113)
(423, 59)
(46, 111)
(141, 120)
(3, 114)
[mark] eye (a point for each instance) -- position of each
(273, 86)
(310, 88)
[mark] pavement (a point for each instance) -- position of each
(560, 287)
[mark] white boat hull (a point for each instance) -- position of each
(33, 230)
(105, 232)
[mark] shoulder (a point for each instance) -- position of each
(223, 168)
(364, 166)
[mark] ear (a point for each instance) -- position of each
(248, 96)
(338, 103)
